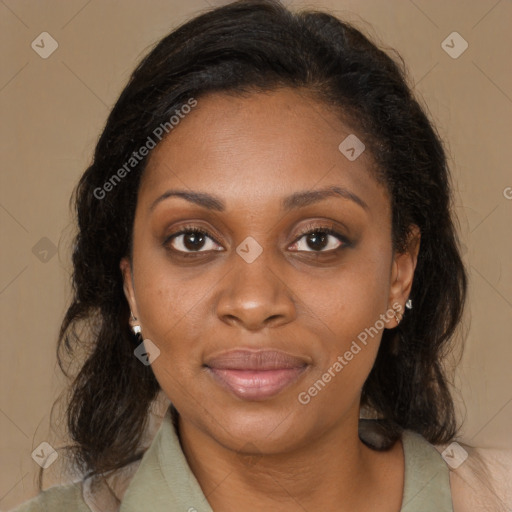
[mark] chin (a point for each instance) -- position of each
(259, 428)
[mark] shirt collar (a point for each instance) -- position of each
(427, 477)
(164, 481)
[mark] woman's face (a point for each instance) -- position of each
(266, 335)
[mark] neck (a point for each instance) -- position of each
(334, 472)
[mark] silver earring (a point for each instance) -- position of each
(135, 327)
(408, 304)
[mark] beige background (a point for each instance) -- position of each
(53, 111)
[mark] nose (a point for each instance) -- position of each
(255, 295)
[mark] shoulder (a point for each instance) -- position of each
(66, 498)
(480, 478)
(96, 494)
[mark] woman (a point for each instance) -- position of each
(264, 243)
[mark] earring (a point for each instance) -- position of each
(135, 327)
(408, 304)
(397, 318)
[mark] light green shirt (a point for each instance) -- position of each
(164, 482)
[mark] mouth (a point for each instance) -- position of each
(255, 375)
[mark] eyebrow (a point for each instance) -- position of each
(294, 201)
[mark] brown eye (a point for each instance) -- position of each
(192, 240)
(320, 240)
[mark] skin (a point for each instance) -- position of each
(251, 153)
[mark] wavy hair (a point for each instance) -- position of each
(244, 47)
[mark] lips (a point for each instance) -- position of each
(255, 375)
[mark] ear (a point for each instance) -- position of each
(402, 270)
(128, 287)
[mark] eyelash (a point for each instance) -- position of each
(307, 230)
(315, 228)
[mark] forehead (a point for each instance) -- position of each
(257, 148)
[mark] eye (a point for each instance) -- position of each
(320, 239)
(190, 240)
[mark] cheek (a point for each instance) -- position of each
(169, 307)
(350, 298)
(170, 299)
(347, 308)
(172, 322)
(172, 316)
